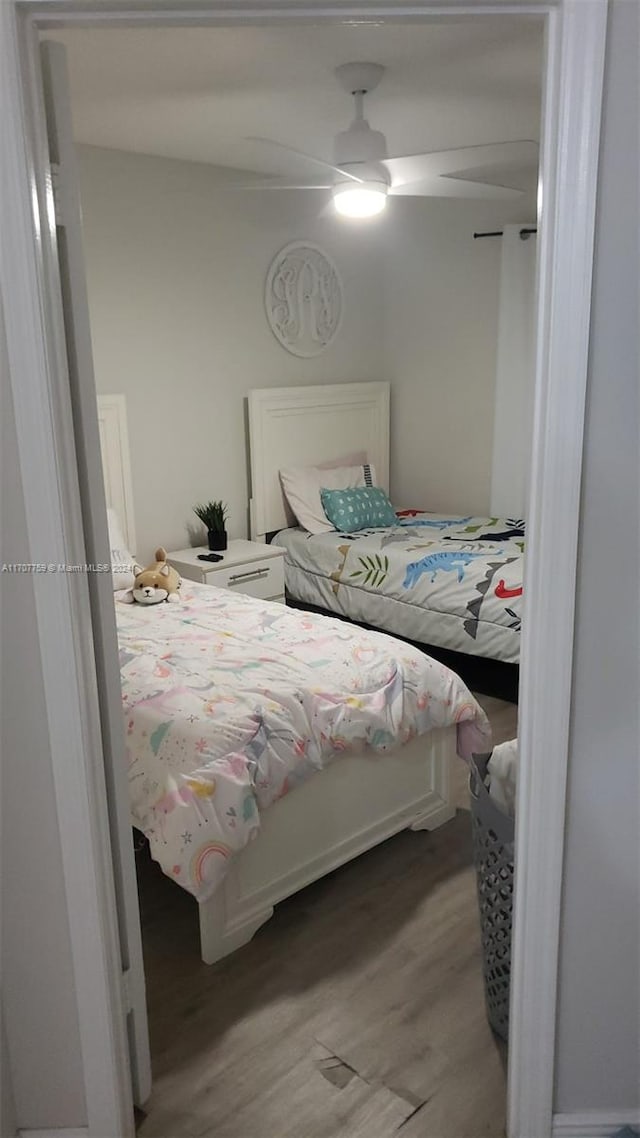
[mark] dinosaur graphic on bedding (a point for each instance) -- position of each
(454, 582)
(434, 563)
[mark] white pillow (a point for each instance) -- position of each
(302, 486)
(122, 561)
(356, 458)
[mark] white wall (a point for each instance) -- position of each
(598, 1058)
(175, 271)
(440, 321)
(38, 997)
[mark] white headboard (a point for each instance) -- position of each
(116, 468)
(302, 426)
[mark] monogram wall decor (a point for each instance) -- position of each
(303, 299)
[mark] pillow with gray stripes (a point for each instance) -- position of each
(302, 486)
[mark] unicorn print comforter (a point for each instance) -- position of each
(452, 582)
(231, 702)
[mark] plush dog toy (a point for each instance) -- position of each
(158, 582)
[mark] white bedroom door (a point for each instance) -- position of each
(69, 255)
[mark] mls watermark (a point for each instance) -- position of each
(51, 567)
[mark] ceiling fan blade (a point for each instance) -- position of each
(301, 154)
(278, 186)
(461, 160)
(448, 186)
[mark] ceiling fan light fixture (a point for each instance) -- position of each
(364, 199)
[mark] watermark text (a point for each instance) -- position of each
(51, 567)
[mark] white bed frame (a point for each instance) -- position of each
(300, 426)
(323, 824)
(116, 465)
(327, 821)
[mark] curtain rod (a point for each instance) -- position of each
(524, 233)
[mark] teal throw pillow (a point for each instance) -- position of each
(362, 507)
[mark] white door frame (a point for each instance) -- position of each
(569, 156)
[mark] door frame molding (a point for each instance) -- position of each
(575, 39)
(48, 469)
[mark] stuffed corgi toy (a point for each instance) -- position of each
(158, 582)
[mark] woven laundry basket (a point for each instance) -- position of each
(493, 845)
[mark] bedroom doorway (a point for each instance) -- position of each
(547, 447)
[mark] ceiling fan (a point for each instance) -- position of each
(363, 176)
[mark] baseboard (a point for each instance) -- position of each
(593, 1123)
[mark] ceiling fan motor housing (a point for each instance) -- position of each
(361, 150)
(359, 77)
(359, 144)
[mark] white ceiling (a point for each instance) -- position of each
(196, 93)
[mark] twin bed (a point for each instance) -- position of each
(451, 584)
(266, 746)
(454, 582)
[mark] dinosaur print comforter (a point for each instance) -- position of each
(231, 702)
(452, 582)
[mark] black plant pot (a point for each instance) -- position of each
(217, 539)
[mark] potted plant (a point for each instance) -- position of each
(214, 516)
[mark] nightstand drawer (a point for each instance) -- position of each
(263, 579)
(246, 567)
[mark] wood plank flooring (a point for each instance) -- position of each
(356, 1011)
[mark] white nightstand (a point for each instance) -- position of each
(246, 567)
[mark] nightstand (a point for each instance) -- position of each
(246, 567)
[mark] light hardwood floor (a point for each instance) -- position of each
(356, 1011)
